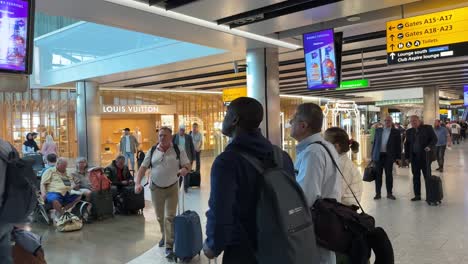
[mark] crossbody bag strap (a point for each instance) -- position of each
(339, 170)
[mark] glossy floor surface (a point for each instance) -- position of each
(420, 234)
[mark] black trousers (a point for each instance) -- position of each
(385, 164)
(418, 164)
(440, 154)
(197, 160)
(241, 254)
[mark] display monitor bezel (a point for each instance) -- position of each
(29, 43)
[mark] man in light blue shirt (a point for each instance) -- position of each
(316, 173)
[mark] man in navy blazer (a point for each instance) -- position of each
(386, 150)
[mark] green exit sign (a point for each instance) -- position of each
(353, 84)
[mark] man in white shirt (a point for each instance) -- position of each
(128, 147)
(316, 173)
(198, 143)
(455, 129)
(167, 162)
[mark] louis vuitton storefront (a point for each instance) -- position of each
(53, 112)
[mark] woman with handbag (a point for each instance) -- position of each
(340, 139)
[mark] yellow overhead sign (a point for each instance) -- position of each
(230, 95)
(436, 29)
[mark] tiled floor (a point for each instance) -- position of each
(420, 234)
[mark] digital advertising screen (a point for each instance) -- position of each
(465, 94)
(320, 60)
(15, 30)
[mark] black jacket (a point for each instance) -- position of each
(111, 172)
(393, 144)
(427, 138)
(189, 147)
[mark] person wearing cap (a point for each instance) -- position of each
(128, 147)
(185, 142)
(81, 178)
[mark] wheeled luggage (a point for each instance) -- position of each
(188, 237)
(103, 206)
(128, 202)
(434, 190)
(194, 179)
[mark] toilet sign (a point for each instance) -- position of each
(139, 109)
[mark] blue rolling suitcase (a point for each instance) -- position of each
(188, 237)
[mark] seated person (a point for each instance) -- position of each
(51, 160)
(81, 178)
(119, 174)
(56, 185)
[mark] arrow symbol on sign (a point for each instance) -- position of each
(392, 46)
(392, 55)
(392, 37)
(391, 28)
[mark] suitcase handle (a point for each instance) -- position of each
(181, 190)
(428, 162)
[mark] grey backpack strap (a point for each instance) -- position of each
(278, 157)
(256, 163)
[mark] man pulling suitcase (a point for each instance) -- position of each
(165, 165)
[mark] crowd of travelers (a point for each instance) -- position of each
(248, 207)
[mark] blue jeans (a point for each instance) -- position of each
(5, 244)
(131, 156)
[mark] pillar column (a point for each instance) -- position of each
(431, 105)
(263, 85)
(88, 121)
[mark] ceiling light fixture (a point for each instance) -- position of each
(353, 18)
(203, 23)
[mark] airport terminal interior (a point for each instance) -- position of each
(88, 76)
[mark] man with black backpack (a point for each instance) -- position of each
(167, 162)
(316, 172)
(5, 228)
(257, 212)
(17, 195)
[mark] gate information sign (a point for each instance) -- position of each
(428, 37)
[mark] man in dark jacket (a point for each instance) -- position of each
(185, 142)
(386, 151)
(420, 142)
(119, 174)
(231, 219)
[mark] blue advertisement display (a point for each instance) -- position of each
(320, 60)
(13, 34)
(465, 94)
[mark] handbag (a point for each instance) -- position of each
(69, 222)
(340, 227)
(370, 172)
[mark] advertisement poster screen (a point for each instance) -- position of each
(465, 94)
(320, 60)
(14, 15)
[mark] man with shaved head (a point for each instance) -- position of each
(420, 142)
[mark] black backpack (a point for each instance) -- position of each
(19, 199)
(285, 231)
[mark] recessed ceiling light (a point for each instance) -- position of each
(353, 18)
(204, 23)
